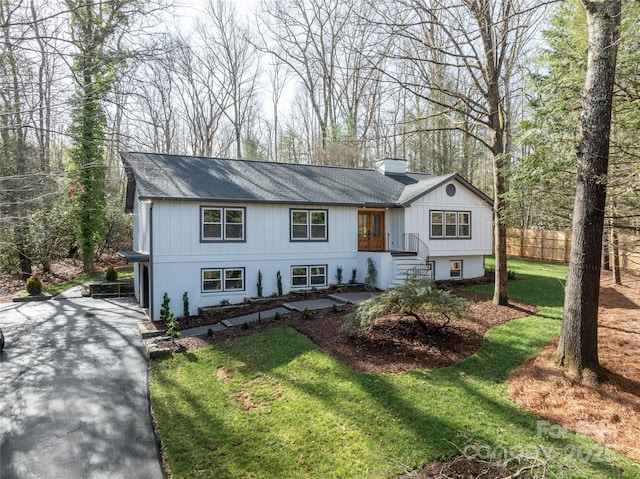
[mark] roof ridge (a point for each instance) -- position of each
(245, 160)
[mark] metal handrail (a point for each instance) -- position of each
(413, 244)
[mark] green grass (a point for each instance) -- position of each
(284, 409)
(87, 278)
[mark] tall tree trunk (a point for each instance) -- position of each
(578, 345)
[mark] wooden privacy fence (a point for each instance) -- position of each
(539, 244)
(549, 245)
(629, 246)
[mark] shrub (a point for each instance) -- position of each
(259, 285)
(334, 308)
(173, 329)
(372, 275)
(306, 314)
(34, 286)
(418, 297)
(185, 305)
(276, 317)
(339, 275)
(210, 332)
(111, 274)
(279, 283)
(354, 272)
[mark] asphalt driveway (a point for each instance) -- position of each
(73, 392)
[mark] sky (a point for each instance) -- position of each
(190, 10)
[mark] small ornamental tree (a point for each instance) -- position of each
(372, 275)
(418, 297)
(169, 319)
(259, 284)
(185, 305)
(164, 309)
(279, 283)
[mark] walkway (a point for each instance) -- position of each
(73, 392)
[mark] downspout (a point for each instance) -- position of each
(151, 303)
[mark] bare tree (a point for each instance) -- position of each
(202, 101)
(578, 346)
(277, 83)
(153, 106)
(16, 167)
(334, 54)
(477, 44)
(233, 60)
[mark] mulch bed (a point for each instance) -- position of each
(394, 345)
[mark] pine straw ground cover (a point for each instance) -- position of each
(609, 413)
(275, 404)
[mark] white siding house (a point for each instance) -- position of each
(210, 226)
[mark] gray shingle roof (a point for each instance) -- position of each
(163, 177)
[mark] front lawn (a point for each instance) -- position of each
(274, 405)
(56, 288)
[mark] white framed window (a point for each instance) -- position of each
(437, 223)
(464, 224)
(222, 223)
(455, 269)
(211, 280)
(234, 279)
(299, 276)
(450, 224)
(222, 279)
(309, 225)
(308, 276)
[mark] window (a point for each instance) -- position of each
(450, 224)
(222, 279)
(436, 224)
(309, 225)
(451, 189)
(233, 279)
(305, 276)
(222, 224)
(299, 276)
(455, 269)
(464, 225)
(211, 280)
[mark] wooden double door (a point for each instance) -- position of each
(371, 234)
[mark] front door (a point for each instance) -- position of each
(371, 230)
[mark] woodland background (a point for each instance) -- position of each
(333, 82)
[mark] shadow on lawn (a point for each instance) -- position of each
(407, 419)
(428, 410)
